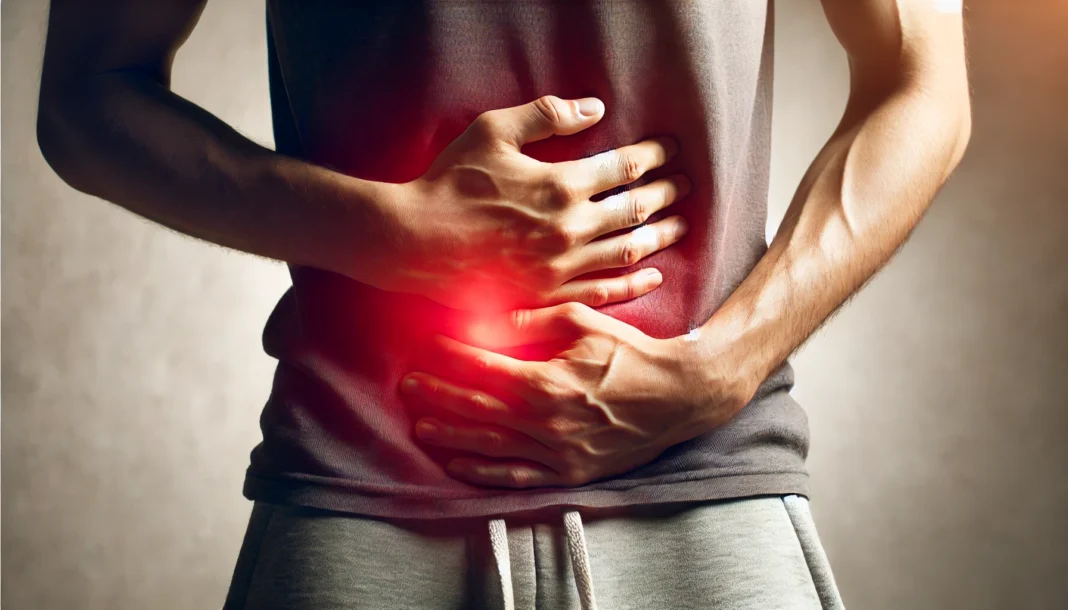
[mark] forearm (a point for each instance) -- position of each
(128, 139)
(856, 205)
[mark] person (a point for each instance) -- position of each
(535, 350)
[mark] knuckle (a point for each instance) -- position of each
(564, 236)
(571, 457)
(629, 168)
(559, 427)
(480, 402)
(579, 466)
(576, 476)
(550, 239)
(554, 273)
(547, 275)
(493, 443)
(517, 477)
(573, 312)
(535, 239)
(548, 107)
(599, 295)
(639, 209)
(488, 124)
(630, 253)
(541, 384)
(520, 319)
(481, 365)
(562, 191)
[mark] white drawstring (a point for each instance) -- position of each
(580, 559)
(576, 547)
(498, 534)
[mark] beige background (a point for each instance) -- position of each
(133, 375)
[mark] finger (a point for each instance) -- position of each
(488, 441)
(488, 370)
(493, 474)
(626, 250)
(542, 118)
(471, 404)
(525, 326)
(630, 208)
(596, 293)
(618, 167)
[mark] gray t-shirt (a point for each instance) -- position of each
(377, 90)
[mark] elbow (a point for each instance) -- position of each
(56, 138)
(963, 130)
(949, 112)
(956, 128)
(952, 100)
(49, 139)
(942, 108)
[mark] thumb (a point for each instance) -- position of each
(548, 116)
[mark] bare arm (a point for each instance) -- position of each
(613, 398)
(904, 130)
(110, 126)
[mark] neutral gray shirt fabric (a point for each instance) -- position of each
(377, 90)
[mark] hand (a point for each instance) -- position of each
(491, 229)
(610, 398)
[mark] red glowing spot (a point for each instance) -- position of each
(483, 333)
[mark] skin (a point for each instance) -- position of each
(518, 230)
(610, 398)
(504, 223)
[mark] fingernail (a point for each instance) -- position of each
(409, 384)
(426, 430)
(590, 106)
(654, 275)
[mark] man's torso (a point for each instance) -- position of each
(377, 90)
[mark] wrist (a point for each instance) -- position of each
(406, 234)
(721, 373)
(347, 225)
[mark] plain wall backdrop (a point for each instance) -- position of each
(133, 375)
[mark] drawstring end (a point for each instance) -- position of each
(576, 547)
(580, 559)
(498, 533)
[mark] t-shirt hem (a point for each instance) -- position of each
(322, 496)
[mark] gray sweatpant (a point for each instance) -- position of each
(759, 553)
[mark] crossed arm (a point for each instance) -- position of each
(507, 224)
(905, 128)
(612, 398)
